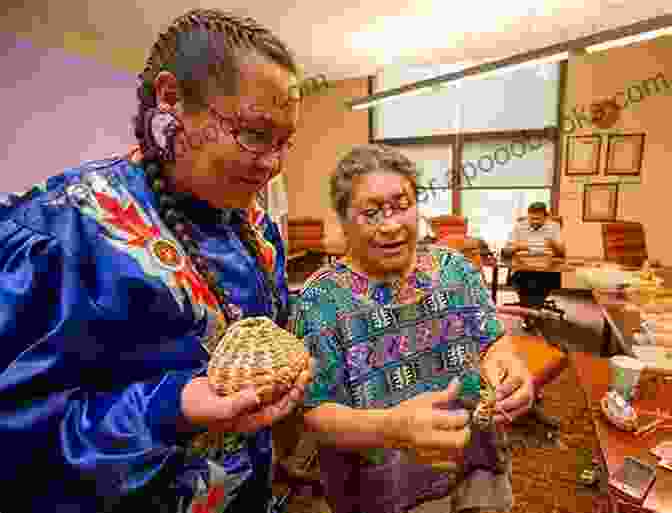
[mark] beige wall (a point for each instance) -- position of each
(327, 130)
(594, 77)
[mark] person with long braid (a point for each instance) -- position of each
(118, 277)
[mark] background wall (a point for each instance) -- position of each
(594, 77)
(58, 109)
(327, 130)
(61, 107)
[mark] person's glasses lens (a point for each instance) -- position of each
(255, 141)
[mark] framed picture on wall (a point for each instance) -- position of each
(600, 202)
(583, 155)
(625, 153)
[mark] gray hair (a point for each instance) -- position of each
(361, 161)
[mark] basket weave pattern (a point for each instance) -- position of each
(255, 352)
(623, 423)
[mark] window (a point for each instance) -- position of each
(499, 177)
(435, 167)
(508, 163)
(493, 212)
(521, 99)
(414, 116)
(500, 180)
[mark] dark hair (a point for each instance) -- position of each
(537, 206)
(361, 161)
(203, 48)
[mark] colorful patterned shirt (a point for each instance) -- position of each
(102, 323)
(336, 289)
(331, 295)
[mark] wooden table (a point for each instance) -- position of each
(538, 264)
(621, 320)
(593, 375)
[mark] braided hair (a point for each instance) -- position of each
(202, 48)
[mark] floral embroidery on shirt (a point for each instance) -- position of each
(131, 229)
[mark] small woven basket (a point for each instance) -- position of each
(623, 423)
(255, 352)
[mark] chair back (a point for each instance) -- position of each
(471, 249)
(447, 228)
(305, 233)
(624, 242)
(451, 231)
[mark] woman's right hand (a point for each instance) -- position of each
(433, 434)
(241, 412)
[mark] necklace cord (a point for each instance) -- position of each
(177, 222)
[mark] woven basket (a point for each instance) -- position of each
(255, 352)
(623, 423)
(648, 291)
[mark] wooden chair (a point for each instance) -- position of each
(449, 229)
(451, 232)
(545, 360)
(624, 242)
(305, 233)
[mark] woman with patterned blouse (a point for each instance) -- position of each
(372, 402)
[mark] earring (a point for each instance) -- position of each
(162, 128)
(163, 123)
(165, 85)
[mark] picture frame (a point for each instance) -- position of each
(582, 155)
(625, 153)
(600, 202)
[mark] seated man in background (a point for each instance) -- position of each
(536, 235)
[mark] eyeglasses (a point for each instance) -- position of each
(376, 216)
(253, 140)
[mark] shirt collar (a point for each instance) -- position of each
(526, 223)
(394, 281)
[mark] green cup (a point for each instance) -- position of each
(625, 372)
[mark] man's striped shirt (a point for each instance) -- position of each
(535, 237)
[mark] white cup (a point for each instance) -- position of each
(625, 373)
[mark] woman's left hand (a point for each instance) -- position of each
(513, 382)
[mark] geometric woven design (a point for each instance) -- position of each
(396, 352)
(256, 352)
